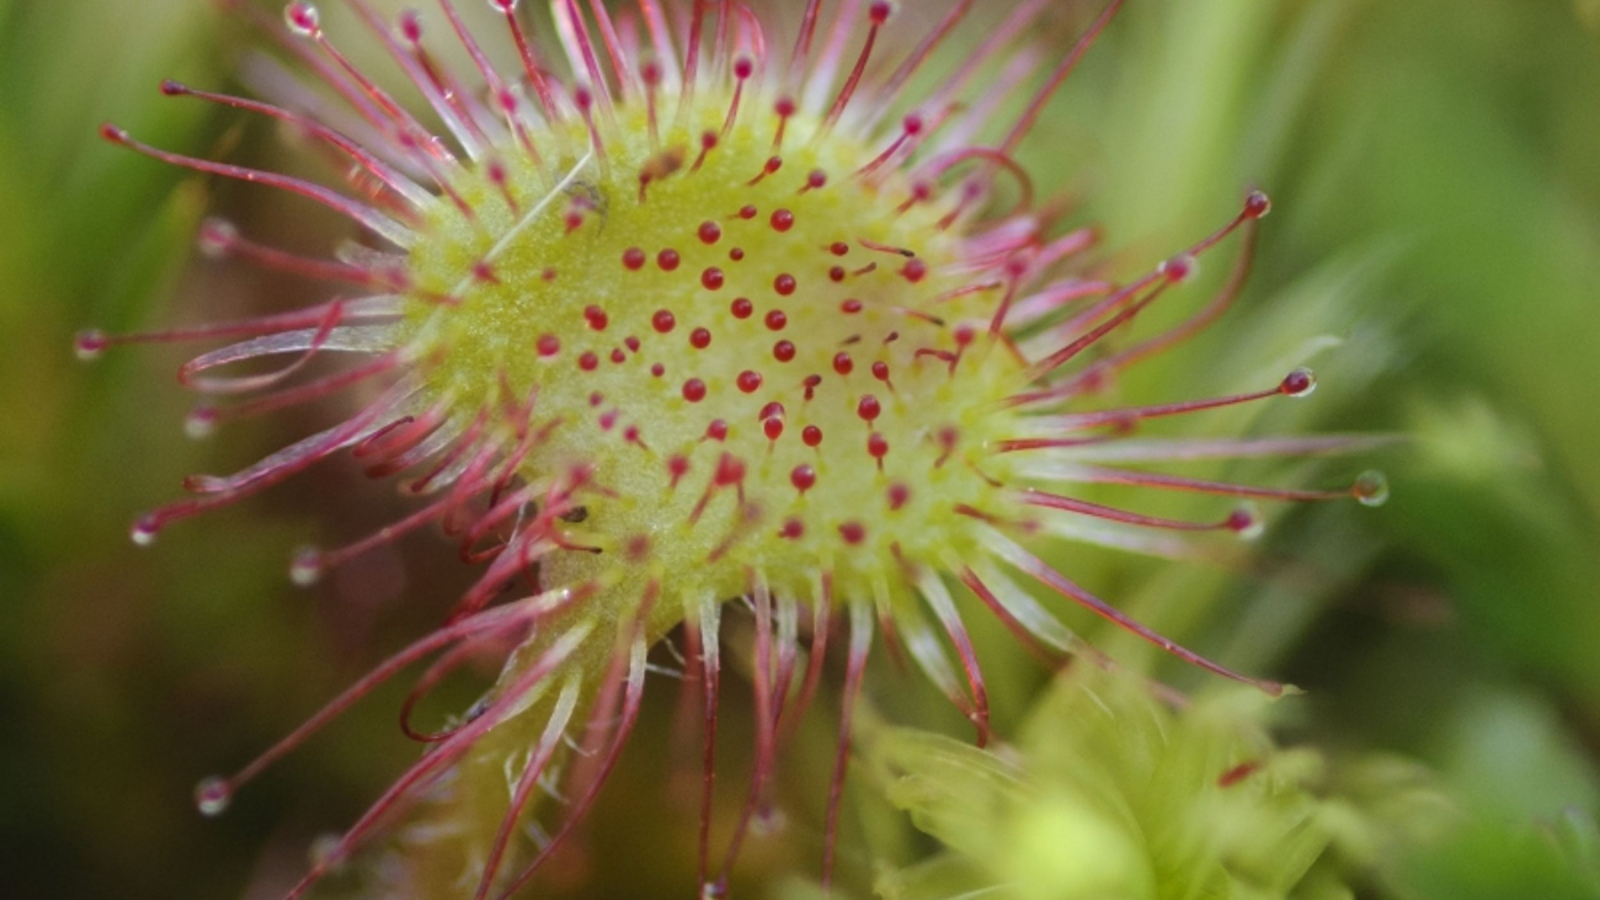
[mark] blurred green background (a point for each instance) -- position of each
(1435, 168)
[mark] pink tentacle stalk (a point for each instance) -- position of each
(765, 724)
(821, 76)
(574, 34)
(998, 40)
(434, 763)
(709, 617)
(1028, 621)
(626, 83)
(1239, 521)
(1050, 578)
(391, 178)
(661, 41)
(329, 74)
(215, 793)
(305, 22)
(691, 58)
(633, 694)
(91, 343)
(1035, 107)
(219, 238)
(1366, 487)
(938, 597)
(855, 672)
(314, 342)
(1175, 269)
(877, 14)
(1096, 373)
(440, 669)
(458, 126)
(543, 752)
(1298, 383)
(364, 215)
(816, 654)
(788, 633)
(803, 38)
(532, 68)
(892, 87)
(499, 90)
(203, 418)
(443, 83)
(271, 470)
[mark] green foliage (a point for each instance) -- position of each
(1486, 860)
(1114, 793)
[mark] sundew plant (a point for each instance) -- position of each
(660, 306)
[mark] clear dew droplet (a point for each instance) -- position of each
(1247, 522)
(143, 532)
(769, 821)
(324, 849)
(1371, 488)
(212, 796)
(215, 237)
(305, 569)
(90, 344)
(302, 18)
(1179, 268)
(1257, 205)
(1302, 382)
(200, 423)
